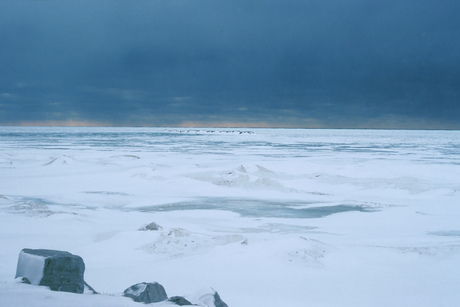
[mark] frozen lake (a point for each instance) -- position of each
(267, 217)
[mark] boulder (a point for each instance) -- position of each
(179, 300)
(58, 270)
(146, 292)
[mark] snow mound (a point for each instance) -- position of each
(257, 177)
(309, 251)
(179, 242)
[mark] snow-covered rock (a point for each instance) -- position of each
(207, 297)
(58, 270)
(152, 226)
(146, 292)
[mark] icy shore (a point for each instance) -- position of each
(267, 217)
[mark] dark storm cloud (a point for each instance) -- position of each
(328, 63)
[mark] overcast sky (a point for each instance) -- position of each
(299, 63)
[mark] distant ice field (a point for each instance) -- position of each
(266, 142)
(267, 217)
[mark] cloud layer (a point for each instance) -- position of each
(331, 63)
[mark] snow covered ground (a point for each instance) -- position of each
(267, 217)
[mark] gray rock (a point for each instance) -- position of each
(218, 302)
(58, 270)
(146, 292)
(179, 300)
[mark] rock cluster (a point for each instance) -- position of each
(63, 271)
(154, 292)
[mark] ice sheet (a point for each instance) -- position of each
(267, 217)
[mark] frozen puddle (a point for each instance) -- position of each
(279, 228)
(260, 208)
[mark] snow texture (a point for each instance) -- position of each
(268, 217)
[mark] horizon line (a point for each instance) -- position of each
(230, 127)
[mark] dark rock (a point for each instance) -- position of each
(146, 292)
(218, 302)
(179, 300)
(58, 270)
